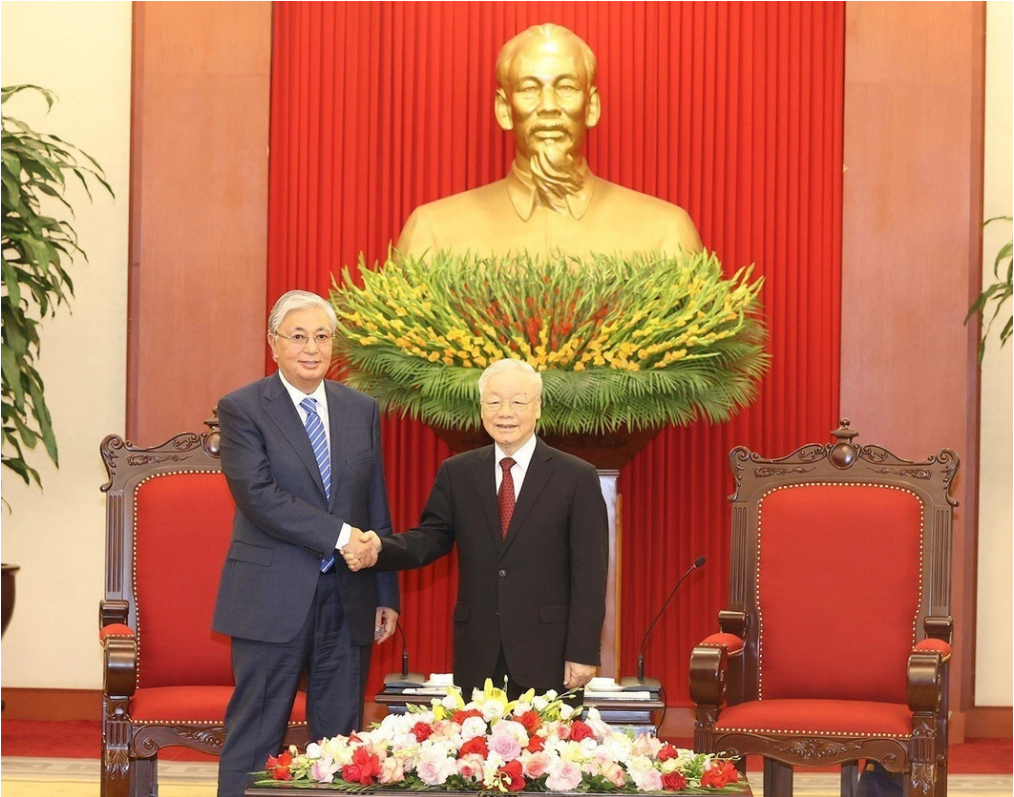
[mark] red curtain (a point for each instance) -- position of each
(732, 111)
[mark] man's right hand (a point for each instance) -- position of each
(361, 550)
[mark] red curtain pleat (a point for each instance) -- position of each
(731, 110)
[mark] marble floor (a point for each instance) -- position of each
(79, 777)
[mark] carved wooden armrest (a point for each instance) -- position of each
(708, 664)
(119, 649)
(926, 668)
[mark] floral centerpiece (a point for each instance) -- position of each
(536, 743)
(637, 343)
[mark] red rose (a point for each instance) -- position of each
(531, 721)
(536, 743)
(719, 775)
(674, 781)
(278, 767)
(667, 752)
(462, 715)
(364, 769)
(421, 731)
(476, 744)
(580, 730)
(513, 776)
(352, 773)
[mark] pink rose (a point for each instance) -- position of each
(470, 766)
(564, 777)
(613, 772)
(505, 746)
(392, 770)
(536, 765)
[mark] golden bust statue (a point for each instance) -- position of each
(550, 202)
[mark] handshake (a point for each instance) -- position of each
(361, 550)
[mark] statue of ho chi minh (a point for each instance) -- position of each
(550, 202)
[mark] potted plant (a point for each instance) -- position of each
(37, 251)
(998, 292)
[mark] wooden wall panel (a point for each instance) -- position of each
(911, 254)
(198, 210)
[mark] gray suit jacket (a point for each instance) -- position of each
(284, 524)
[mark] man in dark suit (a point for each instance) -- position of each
(302, 457)
(532, 534)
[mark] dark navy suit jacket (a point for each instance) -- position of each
(285, 525)
(540, 592)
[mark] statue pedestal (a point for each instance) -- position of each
(608, 453)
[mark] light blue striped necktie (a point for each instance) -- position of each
(318, 440)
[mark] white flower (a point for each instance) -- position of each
(551, 695)
(644, 775)
(539, 703)
(566, 712)
(521, 708)
(450, 702)
(472, 727)
(492, 709)
(314, 751)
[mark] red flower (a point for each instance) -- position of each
(531, 721)
(674, 781)
(718, 776)
(536, 743)
(278, 767)
(422, 731)
(580, 730)
(477, 745)
(364, 769)
(460, 716)
(667, 752)
(513, 776)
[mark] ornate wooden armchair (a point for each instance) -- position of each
(835, 644)
(167, 677)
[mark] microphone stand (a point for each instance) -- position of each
(403, 679)
(640, 683)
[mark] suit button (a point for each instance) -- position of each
(502, 573)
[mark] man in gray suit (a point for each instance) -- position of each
(303, 460)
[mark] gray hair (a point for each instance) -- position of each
(547, 31)
(299, 300)
(502, 366)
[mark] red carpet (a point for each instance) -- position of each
(81, 739)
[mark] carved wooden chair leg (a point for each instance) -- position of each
(849, 778)
(145, 777)
(941, 786)
(115, 760)
(777, 779)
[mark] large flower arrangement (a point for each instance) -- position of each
(639, 343)
(537, 743)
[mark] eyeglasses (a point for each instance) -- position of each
(300, 340)
(517, 405)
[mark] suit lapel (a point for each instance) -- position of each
(485, 487)
(282, 411)
(336, 418)
(540, 470)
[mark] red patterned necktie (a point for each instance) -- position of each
(505, 498)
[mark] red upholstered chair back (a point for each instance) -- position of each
(838, 589)
(182, 527)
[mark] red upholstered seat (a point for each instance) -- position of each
(835, 642)
(167, 678)
(192, 704)
(819, 717)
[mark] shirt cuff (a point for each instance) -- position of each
(344, 536)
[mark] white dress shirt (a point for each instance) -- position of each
(522, 459)
(320, 396)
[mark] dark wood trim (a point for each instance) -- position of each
(989, 722)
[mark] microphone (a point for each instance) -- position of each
(640, 683)
(403, 679)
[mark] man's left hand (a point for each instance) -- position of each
(387, 618)
(577, 675)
